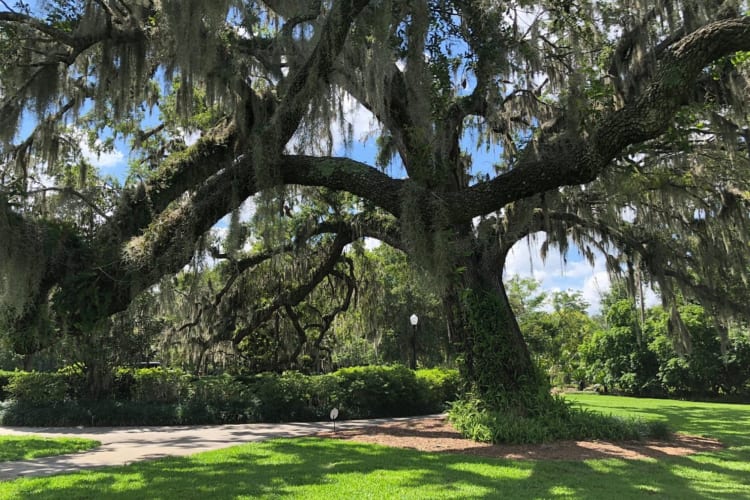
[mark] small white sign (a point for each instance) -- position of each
(334, 413)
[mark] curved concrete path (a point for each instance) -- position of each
(124, 445)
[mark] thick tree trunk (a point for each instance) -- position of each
(496, 362)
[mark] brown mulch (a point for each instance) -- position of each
(438, 435)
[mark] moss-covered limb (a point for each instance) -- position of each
(183, 170)
(364, 225)
(39, 260)
(180, 172)
(18, 18)
(573, 159)
(305, 82)
(344, 174)
(240, 266)
(375, 225)
(323, 322)
(346, 230)
(167, 243)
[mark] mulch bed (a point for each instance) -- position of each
(438, 435)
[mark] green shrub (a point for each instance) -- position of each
(323, 395)
(167, 397)
(116, 413)
(291, 396)
(298, 397)
(438, 387)
(37, 388)
(216, 389)
(5, 377)
(19, 413)
(359, 392)
(159, 385)
(91, 413)
(559, 422)
(218, 399)
(75, 381)
(378, 391)
(123, 383)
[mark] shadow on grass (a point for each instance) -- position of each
(312, 468)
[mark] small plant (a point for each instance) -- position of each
(660, 430)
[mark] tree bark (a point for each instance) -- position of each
(496, 363)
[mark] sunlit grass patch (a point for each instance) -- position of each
(29, 447)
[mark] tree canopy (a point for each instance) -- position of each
(621, 126)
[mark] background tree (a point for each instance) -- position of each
(643, 358)
(619, 355)
(555, 325)
(389, 291)
(622, 127)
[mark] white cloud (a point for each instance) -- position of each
(190, 138)
(220, 233)
(524, 260)
(651, 298)
(104, 159)
(526, 17)
(628, 214)
(594, 287)
(555, 274)
(96, 156)
(356, 117)
(371, 243)
(247, 209)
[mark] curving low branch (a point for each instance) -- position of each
(295, 295)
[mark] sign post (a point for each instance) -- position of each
(334, 415)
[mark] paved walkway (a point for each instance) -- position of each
(124, 445)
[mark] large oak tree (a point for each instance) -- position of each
(619, 125)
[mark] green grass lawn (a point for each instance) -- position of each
(317, 468)
(28, 447)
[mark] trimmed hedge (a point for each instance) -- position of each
(438, 386)
(171, 397)
(37, 388)
(393, 391)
